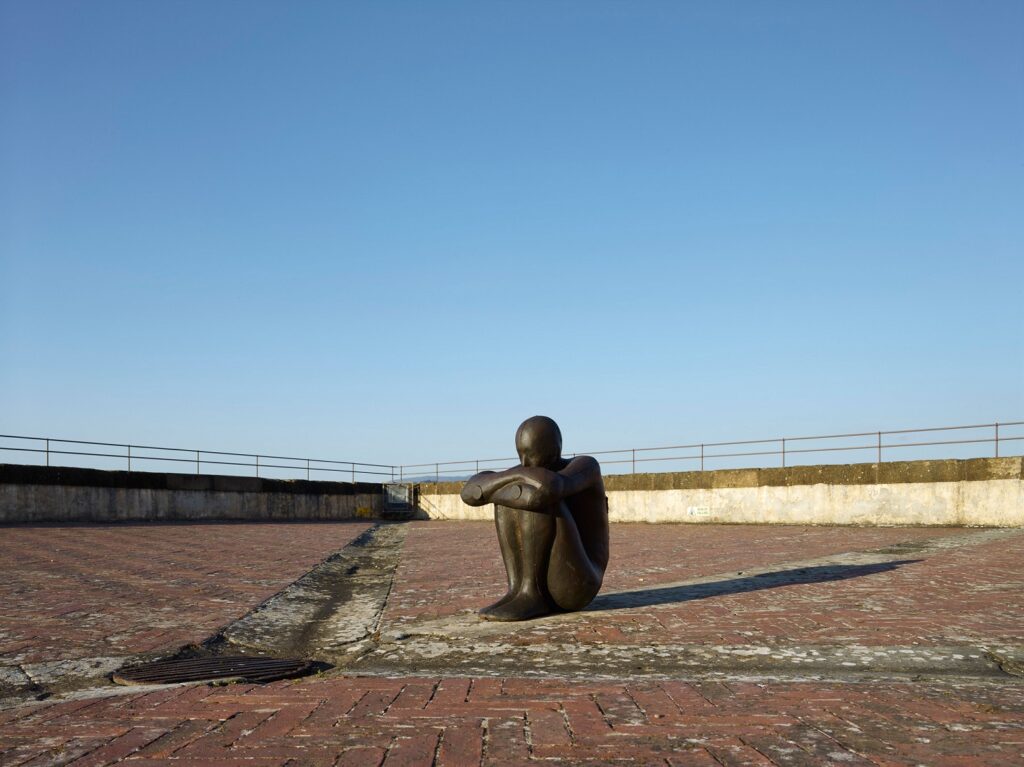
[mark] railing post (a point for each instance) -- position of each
(437, 473)
(129, 458)
(257, 466)
(478, 465)
(634, 460)
(307, 470)
(702, 457)
(47, 452)
(783, 452)
(997, 439)
(353, 473)
(879, 447)
(401, 473)
(197, 461)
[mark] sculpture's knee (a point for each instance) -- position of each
(577, 599)
(574, 587)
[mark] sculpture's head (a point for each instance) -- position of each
(539, 442)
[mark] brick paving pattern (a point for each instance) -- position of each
(370, 721)
(468, 563)
(966, 594)
(111, 590)
(960, 595)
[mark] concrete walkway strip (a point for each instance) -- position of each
(331, 608)
(442, 657)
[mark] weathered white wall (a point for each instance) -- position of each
(994, 502)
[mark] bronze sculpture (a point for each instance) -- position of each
(551, 514)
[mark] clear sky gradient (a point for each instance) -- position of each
(391, 231)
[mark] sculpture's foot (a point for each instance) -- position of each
(521, 607)
(485, 611)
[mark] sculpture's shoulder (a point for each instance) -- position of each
(585, 472)
(582, 463)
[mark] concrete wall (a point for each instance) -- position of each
(981, 492)
(52, 494)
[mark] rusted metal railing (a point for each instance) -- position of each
(52, 449)
(891, 443)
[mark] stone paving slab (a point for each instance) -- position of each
(715, 645)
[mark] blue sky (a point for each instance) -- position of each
(391, 231)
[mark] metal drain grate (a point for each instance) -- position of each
(218, 667)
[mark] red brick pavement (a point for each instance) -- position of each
(453, 721)
(967, 594)
(112, 590)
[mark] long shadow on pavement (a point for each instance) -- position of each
(684, 593)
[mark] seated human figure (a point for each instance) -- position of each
(551, 514)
